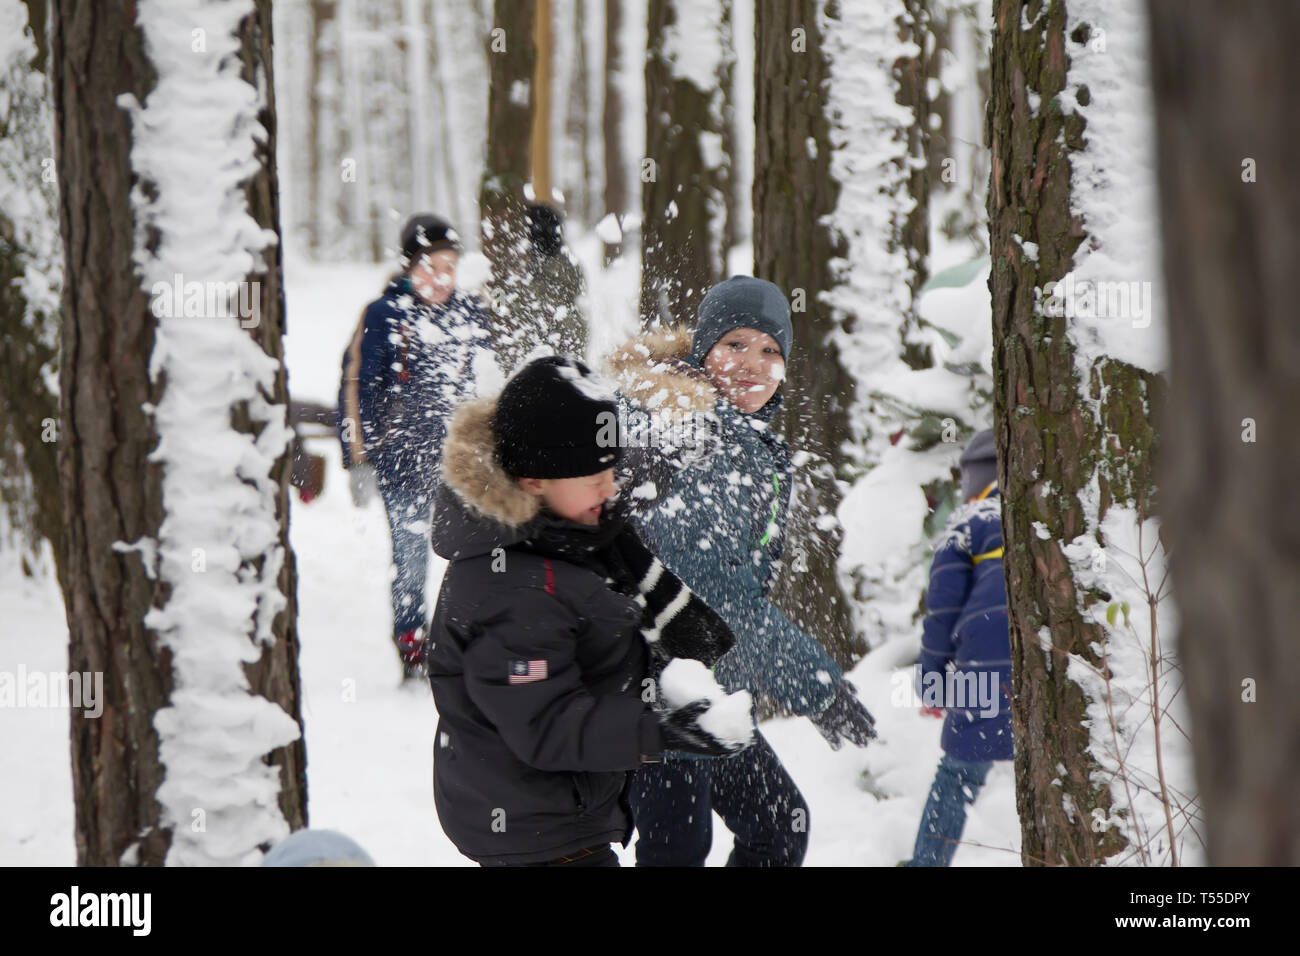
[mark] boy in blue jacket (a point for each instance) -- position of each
(965, 627)
(408, 366)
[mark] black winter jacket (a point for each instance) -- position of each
(536, 665)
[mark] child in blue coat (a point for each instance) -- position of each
(965, 665)
(408, 366)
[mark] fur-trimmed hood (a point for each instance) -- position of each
(479, 506)
(653, 370)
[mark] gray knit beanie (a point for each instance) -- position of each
(979, 463)
(741, 302)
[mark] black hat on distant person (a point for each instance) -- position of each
(550, 419)
(423, 233)
(545, 229)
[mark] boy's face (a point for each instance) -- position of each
(577, 499)
(747, 367)
(434, 277)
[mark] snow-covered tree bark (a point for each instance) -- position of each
(834, 223)
(794, 247)
(684, 175)
(1078, 352)
(31, 264)
(173, 455)
(1229, 201)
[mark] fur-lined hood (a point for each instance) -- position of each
(651, 369)
(479, 506)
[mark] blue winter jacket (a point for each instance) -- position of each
(965, 663)
(415, 369)
(718, 521)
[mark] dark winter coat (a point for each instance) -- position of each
(966, 629)
(415, 368)
(536, 666)
(718, 521)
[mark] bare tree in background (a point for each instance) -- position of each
(1228, 136)
(511, 101)
(29, 250)
(685, 174)
(616, 186)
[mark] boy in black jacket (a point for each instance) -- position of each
(551, 627)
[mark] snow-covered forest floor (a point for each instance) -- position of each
(369, 742)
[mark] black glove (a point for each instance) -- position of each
(681, 731)
(845, 718)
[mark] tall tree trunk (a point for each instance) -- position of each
(793, 247)
(683, 193)
(1060, 435)
(616, 192)
(416, 38)
(318, 160)
(112, 491)
(578, 133)
(1229, 201)
(456, 76)
(541, 131)
(29, 408)
(914, 28)
(511, 98)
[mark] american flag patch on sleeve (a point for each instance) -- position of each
(525, 672)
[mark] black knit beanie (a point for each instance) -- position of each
(555, 419)
(424, 233)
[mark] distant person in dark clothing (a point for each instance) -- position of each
(965, 665)
(410, 363)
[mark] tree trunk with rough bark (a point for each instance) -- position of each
(511, 99)
(1051, 447)
(616, 191)
(683, 191)
(793, 190)
(111, 492)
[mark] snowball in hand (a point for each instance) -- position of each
(684, 681)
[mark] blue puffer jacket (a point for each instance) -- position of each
(716, 519)
(966, 625)
(415, 368)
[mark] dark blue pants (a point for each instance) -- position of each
(956, 785)
(409, 513)
(673, 804)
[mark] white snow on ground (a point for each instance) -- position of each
(370, 743)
